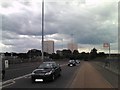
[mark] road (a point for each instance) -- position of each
(67, 75)
(84, 75)
(89, 77)
(17, 70)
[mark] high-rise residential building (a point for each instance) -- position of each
(49, 46)
(72, 46)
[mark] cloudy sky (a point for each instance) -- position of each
(89, 23)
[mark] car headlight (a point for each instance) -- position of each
(48, 73)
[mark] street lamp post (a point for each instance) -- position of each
(72, 42)
(42, 30)
(109, 51)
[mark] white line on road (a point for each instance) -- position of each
(10, 83)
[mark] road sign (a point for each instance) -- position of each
(6, 64)
(106, 45)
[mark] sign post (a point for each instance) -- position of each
(6, 64)
(107, 45)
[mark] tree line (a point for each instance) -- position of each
(35, 55)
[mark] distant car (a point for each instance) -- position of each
(47, 71)
(77, 61)
(72, 63)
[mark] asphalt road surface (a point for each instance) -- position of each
(89, 77)
(66, 78)
(84, 75)
(17, 70)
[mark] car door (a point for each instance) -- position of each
(56, 70)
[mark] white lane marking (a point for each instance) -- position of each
(16, 78)
(24, 76)
(12, 82)
(24, 67)
(7, 81)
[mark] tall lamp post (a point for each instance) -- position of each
(72, 42)
(109, 51)
(42, 30)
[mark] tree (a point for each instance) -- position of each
(75, 54)
(23, 55)
(101, 54)
(66, 53)
(93, 53)
(33, 53)
(84, 55)
(55, 56)
(7, 54)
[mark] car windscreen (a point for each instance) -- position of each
(45, 65)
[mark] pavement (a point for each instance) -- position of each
(89, 77)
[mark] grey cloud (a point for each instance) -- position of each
(20, 24)
(89, 30)
(87, 24)
(6, 4)
(9, 35)
(104, 12)
(23, 43)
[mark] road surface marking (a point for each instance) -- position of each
(13, 80)
(20, 68)
(10, 83)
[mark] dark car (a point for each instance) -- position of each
(47, 71)
(77, 61)
(72, 63)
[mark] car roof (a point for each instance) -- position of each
(71, 60)
(49, 62)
